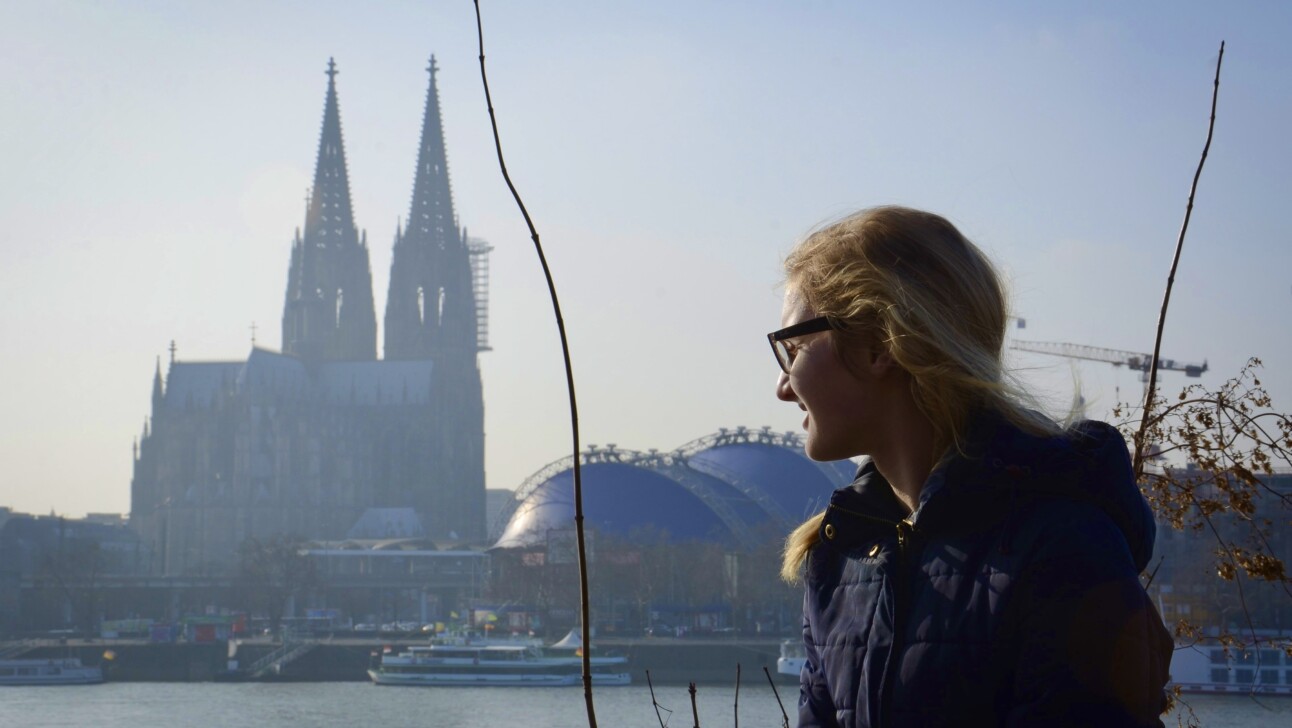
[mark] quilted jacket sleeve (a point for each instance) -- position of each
(1093, 650)
(816, 709)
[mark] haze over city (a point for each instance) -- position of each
(156, 159)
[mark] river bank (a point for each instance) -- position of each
(670, 661)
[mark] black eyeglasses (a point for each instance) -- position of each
(780, 340)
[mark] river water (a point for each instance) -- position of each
(347, 705)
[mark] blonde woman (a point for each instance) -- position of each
(983, 567)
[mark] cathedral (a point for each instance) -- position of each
(310, 440)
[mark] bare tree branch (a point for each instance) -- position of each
(785, 718)
(1151, 391)
(569, 383)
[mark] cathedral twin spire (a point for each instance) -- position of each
(329, 312)
(430, 308)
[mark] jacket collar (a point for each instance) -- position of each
(982, 484)
(863, 511)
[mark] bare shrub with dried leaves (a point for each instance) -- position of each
(1222, 577)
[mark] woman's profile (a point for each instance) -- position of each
(983, 568)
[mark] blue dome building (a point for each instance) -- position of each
(730, 487)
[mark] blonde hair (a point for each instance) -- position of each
(909, 281)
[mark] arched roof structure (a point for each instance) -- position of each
(725, 487)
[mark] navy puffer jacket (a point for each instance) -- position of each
(1010, 597)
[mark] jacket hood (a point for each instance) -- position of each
(1088, 462)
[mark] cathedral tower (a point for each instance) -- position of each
(328, 313)
(431, 314)
(429, 306)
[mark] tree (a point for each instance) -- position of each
(1233, 440)
(74, 565)
(273, 572)
(1229, 435)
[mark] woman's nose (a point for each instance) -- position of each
(784, 392)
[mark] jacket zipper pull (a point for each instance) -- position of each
(904, 529)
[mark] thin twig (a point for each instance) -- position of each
(569, 384)
(695, 713)
(655, 702)
(1153, 574)
(735, 717)
(1151, 390)
(785, 718)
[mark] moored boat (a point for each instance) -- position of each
(55, 671)
(493, 665)
(792, 658)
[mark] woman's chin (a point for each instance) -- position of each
(821, 451)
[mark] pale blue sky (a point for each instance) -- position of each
(154, 158)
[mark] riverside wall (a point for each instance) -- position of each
(670, 661)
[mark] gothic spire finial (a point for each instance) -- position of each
(432, 68)
(331, 70)
(158, 391)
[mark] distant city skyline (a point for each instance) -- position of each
(156, 159)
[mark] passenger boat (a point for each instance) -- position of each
(1208, 668)
(493, 665)
(56, 671)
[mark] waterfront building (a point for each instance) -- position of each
(687, 539)
(304, 441)
(58, 572)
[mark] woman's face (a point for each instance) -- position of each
(843, 405)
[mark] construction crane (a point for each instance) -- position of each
(1129, 359)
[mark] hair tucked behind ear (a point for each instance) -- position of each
(909, 280)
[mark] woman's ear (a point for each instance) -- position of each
(881, 360)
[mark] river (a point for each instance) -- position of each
(344, 705)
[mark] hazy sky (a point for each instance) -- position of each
(154, 158)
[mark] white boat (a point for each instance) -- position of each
(56, 671)
(493, 665)
(1206, 668)
(792, 658)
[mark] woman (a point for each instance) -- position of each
(983, 567)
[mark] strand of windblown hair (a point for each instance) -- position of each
(1150, 392)
(569, 383)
